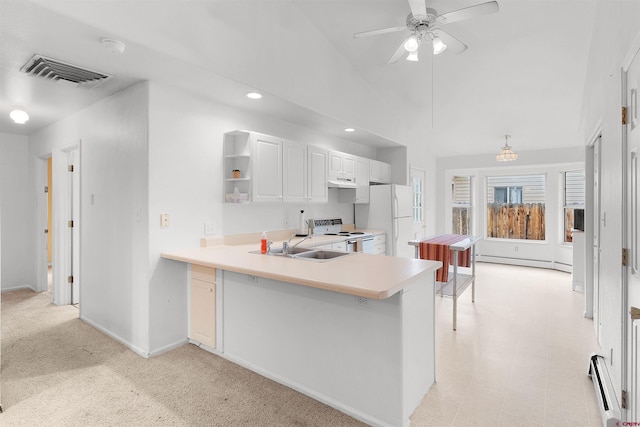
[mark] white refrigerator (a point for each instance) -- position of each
(390, 208)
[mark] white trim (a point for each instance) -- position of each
(118, 338)
(18, 288)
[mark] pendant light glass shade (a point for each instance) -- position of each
(413, 56)
(411, 44)
(506, 155)
(438, 45)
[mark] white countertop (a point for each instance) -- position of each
(365, 275)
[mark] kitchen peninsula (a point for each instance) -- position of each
(355, 332)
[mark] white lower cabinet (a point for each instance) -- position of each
(379, 244)
(203, 305)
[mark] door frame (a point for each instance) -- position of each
(41, 223)
(627, 229)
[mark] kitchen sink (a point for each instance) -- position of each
(321, 255)
(309, 254)
(279, 252)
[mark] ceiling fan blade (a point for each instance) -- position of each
(381, 31)
(469, 12)
(418, 7)
(399, 53)
(453, 44)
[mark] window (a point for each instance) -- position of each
(507, 194)
(573, 202)
(516, 207)
(461, 205)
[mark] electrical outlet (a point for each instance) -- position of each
(362, 301)
(209, 228)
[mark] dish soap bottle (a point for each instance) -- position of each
(263, 243)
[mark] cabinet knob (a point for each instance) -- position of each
(210, 289)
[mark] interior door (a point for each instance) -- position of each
(597, 324)
(633, 273)
(74, 225)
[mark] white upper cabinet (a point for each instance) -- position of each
(260, 168)
(294, 172)
(317, 189)
(362, 179)
(380, 172)
(267, 169)
(237, 167)
(342, 166)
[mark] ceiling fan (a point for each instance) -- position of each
(422, 22)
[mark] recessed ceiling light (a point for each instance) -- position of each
(254, 95)
(349, 130)
(18, 115)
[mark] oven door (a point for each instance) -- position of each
(367, 245)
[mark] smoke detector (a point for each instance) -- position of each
(113, 46)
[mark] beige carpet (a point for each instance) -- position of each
(58, 371)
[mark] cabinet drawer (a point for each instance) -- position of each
(208, 274)
(380, 238)
(380, 249)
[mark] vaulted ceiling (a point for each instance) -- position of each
(523, 73)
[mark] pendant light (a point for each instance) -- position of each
(506, 155)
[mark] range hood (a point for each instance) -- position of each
(342, 183)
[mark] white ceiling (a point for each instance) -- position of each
(523, 73)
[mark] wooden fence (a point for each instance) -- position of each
(516, 221)
(460, 220)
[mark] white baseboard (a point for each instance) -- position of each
(17, 288)
(551, 265)
(168, 347)
(118, 338)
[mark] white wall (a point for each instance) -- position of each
(551, 253)
(615, 29)
(114, 225)
(17, 246)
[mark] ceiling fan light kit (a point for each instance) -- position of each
(423, 25)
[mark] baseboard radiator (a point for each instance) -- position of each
(607, 401)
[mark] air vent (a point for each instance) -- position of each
(54, 69)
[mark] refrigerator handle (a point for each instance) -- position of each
(396, 230)
(396, 207)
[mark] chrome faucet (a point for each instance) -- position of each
(286, 246)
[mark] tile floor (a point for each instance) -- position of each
(519, 355)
